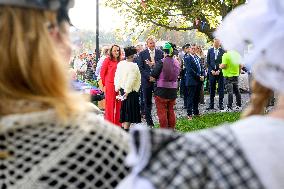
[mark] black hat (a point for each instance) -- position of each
(130, 51)
(186, 46)
(61, 6)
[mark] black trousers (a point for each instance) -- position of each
(141, 100)
(232, 86)
(193, 99)
(213, 80)
(183, 89)
(185, 97)
(147, 95)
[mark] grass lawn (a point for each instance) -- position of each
(206, 121)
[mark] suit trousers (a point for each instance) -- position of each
(213, 80)
(193, 99)
(148, 94)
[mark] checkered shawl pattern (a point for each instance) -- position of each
(84, 153)
(206, 159)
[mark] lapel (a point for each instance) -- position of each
(193, 62)
(146, 55)
(156, 54)
(219, 53)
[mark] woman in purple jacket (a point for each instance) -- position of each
(166, 73)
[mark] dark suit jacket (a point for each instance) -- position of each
(211, 62)
(145, 68)
(192, 76)
(136, 58)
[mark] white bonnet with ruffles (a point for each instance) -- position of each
(261, 23)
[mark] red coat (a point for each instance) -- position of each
(112, 106)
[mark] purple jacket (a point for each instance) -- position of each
(169, 75)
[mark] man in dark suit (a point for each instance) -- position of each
(214, 59)
(140, 47)
(193, 81)
(146, 61)
(183, 91)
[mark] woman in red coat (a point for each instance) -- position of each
(112, 106)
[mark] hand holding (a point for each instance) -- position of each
(218, 72)
(125, 95)
(152, 79)
(151, 63)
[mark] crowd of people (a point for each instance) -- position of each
(197, 71)
(49, 138)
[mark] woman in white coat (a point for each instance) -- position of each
(127, 82)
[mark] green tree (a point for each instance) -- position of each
(177, 37)
(178, 15)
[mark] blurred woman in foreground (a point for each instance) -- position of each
(48, 138)
(245, 154)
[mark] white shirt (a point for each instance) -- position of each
(99, 66)
(80, 65)
(216, 52)
(152, 54)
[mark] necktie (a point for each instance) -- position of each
(216, 53)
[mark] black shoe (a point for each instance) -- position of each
(221, 107)
(210, 108)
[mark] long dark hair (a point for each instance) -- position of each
(110, 53)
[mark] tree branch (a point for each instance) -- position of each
(162, 16)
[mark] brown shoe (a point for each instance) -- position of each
(189, 118)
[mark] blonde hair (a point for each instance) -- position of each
(150, 38)
(31, 67)
(105, 50)
(259, 99)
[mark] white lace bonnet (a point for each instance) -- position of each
(260, 23)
